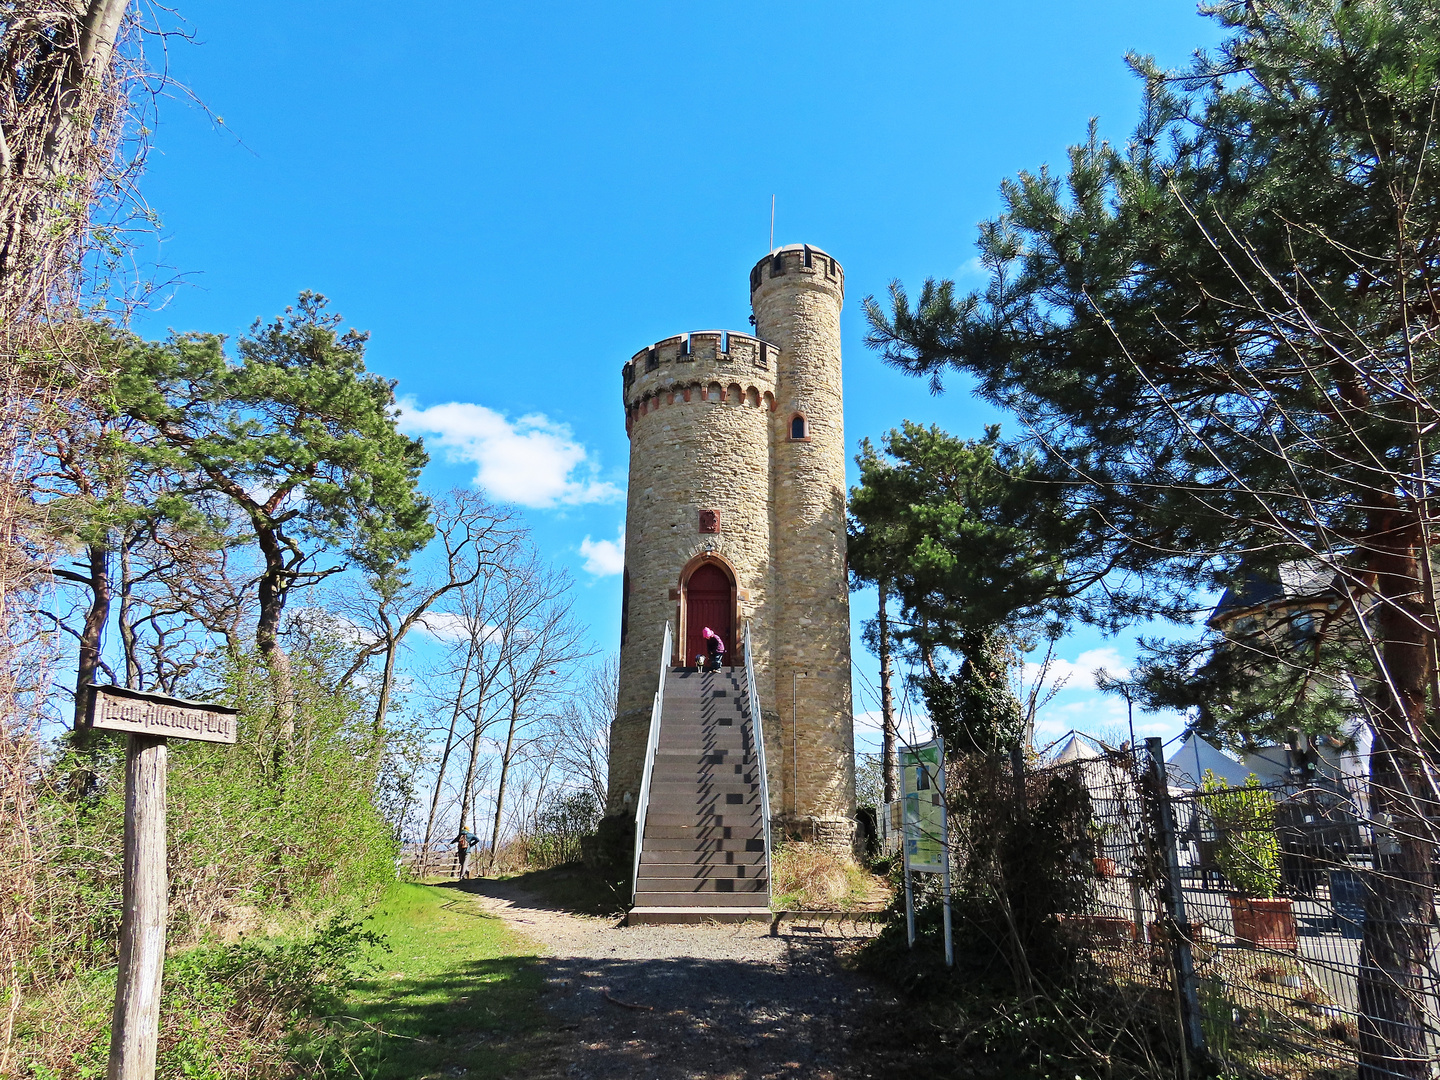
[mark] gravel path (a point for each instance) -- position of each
(695, 1002)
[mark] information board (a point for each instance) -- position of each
(922, 793)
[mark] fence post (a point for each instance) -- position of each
(1187, 995)
(1017, 779)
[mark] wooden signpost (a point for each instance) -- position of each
(150, 721)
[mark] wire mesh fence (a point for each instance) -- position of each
(1287, 931)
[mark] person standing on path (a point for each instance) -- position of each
(714, 648)
(463, 843)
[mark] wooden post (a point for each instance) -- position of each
(136, 1021)
(148, 720)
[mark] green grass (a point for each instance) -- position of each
(456, 990)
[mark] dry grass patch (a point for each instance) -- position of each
(808, 877)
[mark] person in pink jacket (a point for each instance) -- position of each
(714, 649)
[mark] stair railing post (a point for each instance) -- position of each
(758, 730)
(652, 743)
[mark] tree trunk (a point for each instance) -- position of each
(271, 593)
(889, 742)
(125, 624)
(449, 745)
(466, 804)
(382, 707)
(96, 616)
(1399, 911)
(504, 776)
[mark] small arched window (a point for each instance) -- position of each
(799, 427)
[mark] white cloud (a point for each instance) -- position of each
(531, 461)
(448, 626)
(604, 558)
(444, 625)
(972, 269)
(1079, 674)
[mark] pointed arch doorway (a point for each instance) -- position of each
(708, 599)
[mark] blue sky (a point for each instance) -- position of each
(515, 198)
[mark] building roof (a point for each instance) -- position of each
(1298, 580)
(1195, 757)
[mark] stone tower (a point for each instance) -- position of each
(736, 513)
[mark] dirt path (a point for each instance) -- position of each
(694, 1002)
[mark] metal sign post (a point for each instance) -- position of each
(150, 720)
(926, 841)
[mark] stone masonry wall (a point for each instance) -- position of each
(797, 294)
(699, 423)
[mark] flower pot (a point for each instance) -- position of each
(1266, 924)
(1104, 867)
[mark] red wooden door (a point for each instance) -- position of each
(708, 603)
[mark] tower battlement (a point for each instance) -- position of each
(800, 261)
(685, 355)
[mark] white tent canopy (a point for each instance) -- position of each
(1079, 747)
(1194, 756)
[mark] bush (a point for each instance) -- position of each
(1248, 848)
(271, 832)
(252, 1009)
(565, 819)
(266, 825)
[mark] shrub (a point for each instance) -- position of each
(1248, 849)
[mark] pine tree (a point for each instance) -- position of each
(300, 438)
(1224, 332)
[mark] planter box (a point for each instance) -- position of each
(1104, 867)
(1266, 924)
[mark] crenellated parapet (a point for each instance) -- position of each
(704, 367)
(800, 264)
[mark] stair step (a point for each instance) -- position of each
(720, 798)
(707, 899)
(703, 785)
(684, 844)
(697, 805)
(703, 853)
(690, 857)
(748, 817)
(688, 765)
(705, 886)
(672, 916)
(750, 831)
(678, 872)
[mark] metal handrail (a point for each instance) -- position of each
(757, 727)
(650, 747)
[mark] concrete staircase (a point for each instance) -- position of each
(703, 853)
